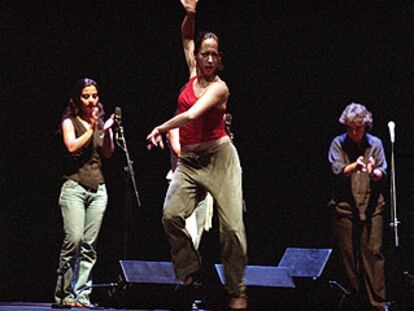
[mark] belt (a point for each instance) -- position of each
(89, 189)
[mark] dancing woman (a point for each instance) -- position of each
(208, 163)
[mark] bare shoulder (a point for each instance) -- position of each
(221, 88)
(67, 124)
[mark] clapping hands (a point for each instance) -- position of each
(365, 167)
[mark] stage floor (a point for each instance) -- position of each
(33, 306)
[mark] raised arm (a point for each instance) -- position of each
(187, 34)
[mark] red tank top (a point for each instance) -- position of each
(209, 126)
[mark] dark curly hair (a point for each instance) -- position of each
(73, 107)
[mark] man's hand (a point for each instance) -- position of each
(371, 165)
(360, 165)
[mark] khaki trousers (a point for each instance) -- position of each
(360, 246)
(217, 171)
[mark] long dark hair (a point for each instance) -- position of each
(73, 107)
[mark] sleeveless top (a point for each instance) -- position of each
(207, 127)
(84, 165)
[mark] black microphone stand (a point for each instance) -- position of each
(393, 199)
(129, 169)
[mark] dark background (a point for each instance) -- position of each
(291, 68)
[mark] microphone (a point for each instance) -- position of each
(391, 127)
(118, 115)
(118, 120)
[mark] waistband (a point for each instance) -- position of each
(212, 149)
(89, 189)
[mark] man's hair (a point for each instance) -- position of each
(356, 112)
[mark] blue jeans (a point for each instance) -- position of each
(82, 213)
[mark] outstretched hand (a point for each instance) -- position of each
(155, 139)
(189, 5)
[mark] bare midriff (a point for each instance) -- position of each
(205, 145)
